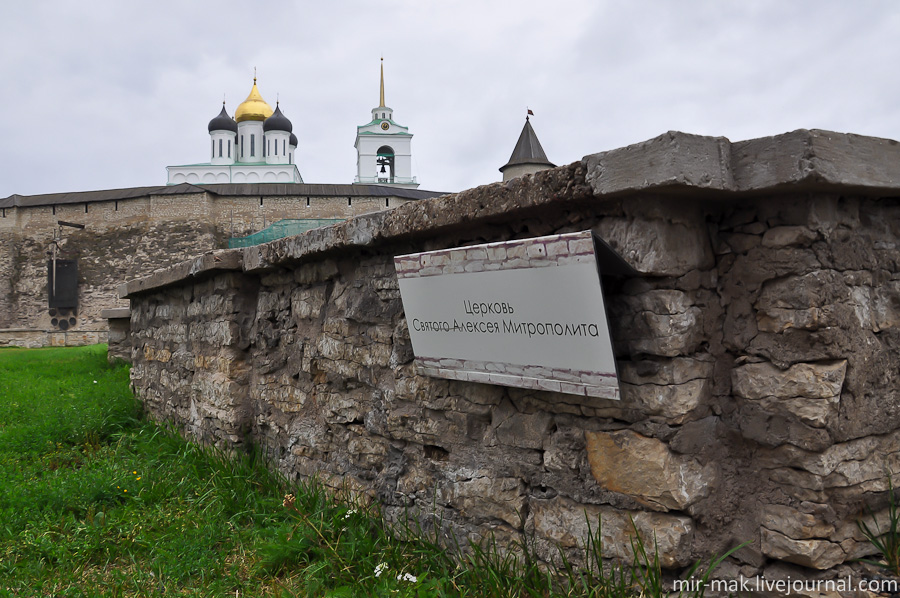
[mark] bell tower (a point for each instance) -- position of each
(383, 154)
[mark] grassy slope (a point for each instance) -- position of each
(95, 501)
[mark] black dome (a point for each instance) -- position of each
(223, 122)
(277, 122)
(292, 140)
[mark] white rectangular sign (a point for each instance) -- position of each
(525, 313)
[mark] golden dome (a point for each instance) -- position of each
(253, 108)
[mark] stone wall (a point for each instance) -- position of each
(757, 356)
(130, 237)
(119, 336)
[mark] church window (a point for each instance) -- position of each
(242, 146)
(117, 205)
(276, 147)
(283, 147)
(54, 210)
(4, 212)
(252, 145)
(85, 208)
(229, 148)
(387, 203)
(307, 202)
(260, 201)
(220, 148)
(349, 202)
(213, 154)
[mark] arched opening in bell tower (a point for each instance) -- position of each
(384, 165)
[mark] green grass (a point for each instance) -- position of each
(886, 541)
(97, 501)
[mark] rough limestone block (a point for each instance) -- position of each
(851, 539)
(565, 523)
(525, 430)
(777, 320)
(285, 397)
(564, 450)
(660, 301)
(811, 289)
(788, 236)
(808, 301)
(878, 308)
(671, 388)
(646, 470)
(521, 430)
(861, 463)
(810, 380)
(659, 322)
(659, 247)
(815, 413)
(368, 451)
(486, 497)
(794, 524)
(817, 554)
(665, 371)
(673, 402)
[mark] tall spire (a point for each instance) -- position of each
(381, 97)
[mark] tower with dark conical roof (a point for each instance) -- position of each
(527, 157)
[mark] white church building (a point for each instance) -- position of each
(258, 146)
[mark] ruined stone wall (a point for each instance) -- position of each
(119, 336)
(8, 273)
(757, 356)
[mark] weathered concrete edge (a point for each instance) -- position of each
(200, 267)
(672, 161)
(694, 162)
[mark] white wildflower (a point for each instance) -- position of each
(350, 513)
(380, 569)
(408, 577)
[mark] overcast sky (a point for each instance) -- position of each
(106, 94)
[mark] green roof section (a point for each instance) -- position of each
(379, 120)
(385, 134)
(283, 228)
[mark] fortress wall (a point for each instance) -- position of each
(117, 213)
(125, 239)
(37, 220)
(191, 207)
(757, 356)
(248, 216)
